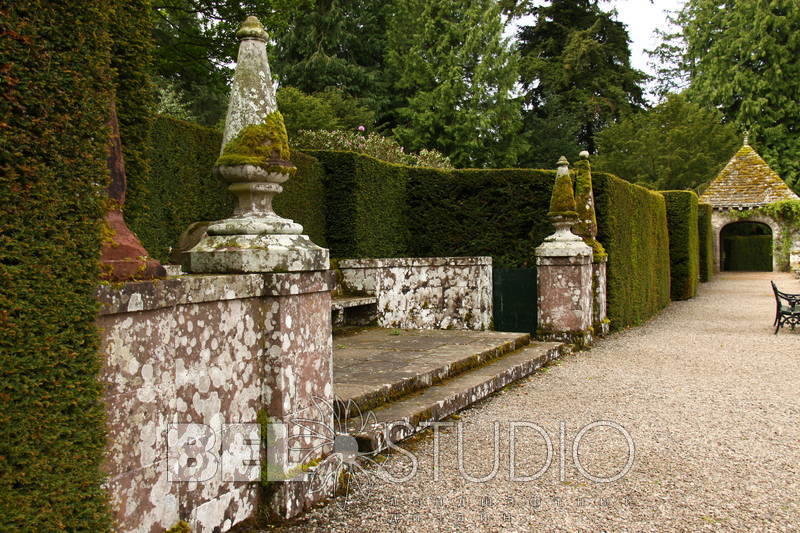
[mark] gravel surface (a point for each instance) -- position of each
(708, 396)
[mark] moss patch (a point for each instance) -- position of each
(263, 145)
(562, 201)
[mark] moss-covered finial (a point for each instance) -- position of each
(263, 145)
(252, 29)
(562, 202)
(586, 227)
(746, 138)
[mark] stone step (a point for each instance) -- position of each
(372, 427)
(375, 365)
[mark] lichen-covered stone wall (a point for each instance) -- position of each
(211, 350)
(424, 293)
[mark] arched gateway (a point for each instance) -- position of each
(746, 183)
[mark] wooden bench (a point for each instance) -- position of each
(787, 309)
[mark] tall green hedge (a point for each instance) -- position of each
(684, 243)
(366, 205)
(181, 188)
(499, 213)
(131, 55)
(54, 103)
(632, 226)
(705, 234)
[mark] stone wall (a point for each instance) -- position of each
(212, 350)
(424, 293)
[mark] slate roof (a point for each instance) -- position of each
(745, 182)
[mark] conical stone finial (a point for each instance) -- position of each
(255, 161)
(252, 92)
(563, 166)
(746, 138)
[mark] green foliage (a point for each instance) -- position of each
(55, 87)
(378, 209)
(748, 253)
(675, 145)
(131, 59)
(705, 234)
(180, 527)
(632, 227)
(366, 198)
(327, 110)
(576, 72)
(562, 201)
(196, 45)
(262, 145)
(499, 213)
(372, 144)
(334, 43)
(172, 101)
(452, 75)
(740, 58)
(684, 243)
(184, 190)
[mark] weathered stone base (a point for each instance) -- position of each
(255, 253)
(405, 417)
(579, 340)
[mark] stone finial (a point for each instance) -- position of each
(563, 166)
(584, 154)
(252, 29)
(255, 161)
(562, 201)
(746, 138)
(252, 92)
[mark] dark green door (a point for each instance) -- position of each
(514, 299)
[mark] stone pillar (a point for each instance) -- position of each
(564, 271)
(297, 396)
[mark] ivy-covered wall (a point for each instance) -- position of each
(632, 227)
(55, 102)
(181, 188)
(705, 233)
(684, 243)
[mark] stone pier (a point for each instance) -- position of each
(564, 272)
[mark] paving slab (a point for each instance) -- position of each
(375, 365)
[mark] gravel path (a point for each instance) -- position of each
(709, 397)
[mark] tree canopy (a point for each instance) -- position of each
(675, 145)
(740, 57)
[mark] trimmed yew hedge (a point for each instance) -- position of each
(55, 102)
(366, 205)
(181, 188)
(379, 209)
(499, 213)
(705, 233)
(684, 243)
(632, 226)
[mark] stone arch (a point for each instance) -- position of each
(720, 219)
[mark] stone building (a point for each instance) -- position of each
(745, 239)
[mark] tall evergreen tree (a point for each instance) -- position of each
(575, 63)
(334, 44)
(196, 45)
(675, 145)
(451, 74)
(740, 56)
